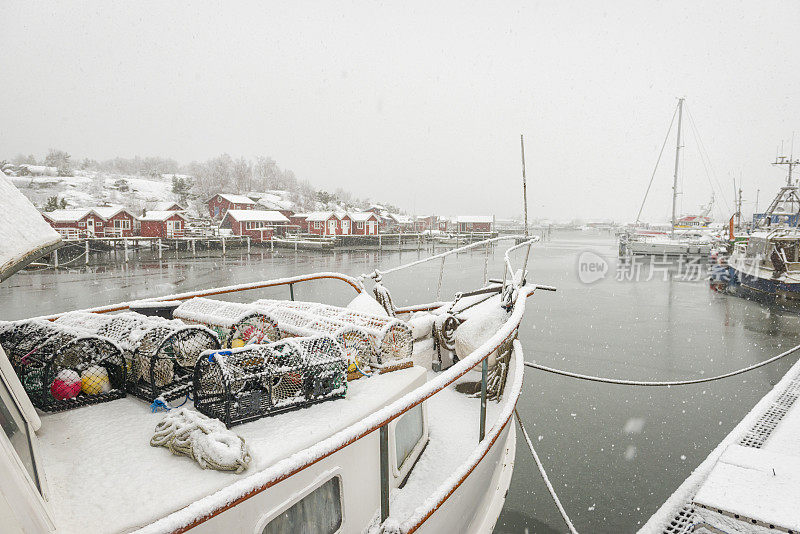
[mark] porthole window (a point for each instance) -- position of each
(319, 512)
(407, 433)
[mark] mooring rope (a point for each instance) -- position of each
(550, 488)
(665, 383)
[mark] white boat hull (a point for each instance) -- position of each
(660, 248)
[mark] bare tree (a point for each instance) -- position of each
(242, 173)
(265, 173)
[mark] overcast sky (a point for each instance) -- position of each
(420, 104)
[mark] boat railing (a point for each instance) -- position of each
(211, 506)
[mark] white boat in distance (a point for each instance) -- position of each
(682, 243)
(402, 451)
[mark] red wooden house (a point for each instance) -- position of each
(324, 223)
(364, 223)
(220, 203)
(163, 224)
(260, 225)
(426, 223)
(298, 220)
(74, 223)
(474, 223)
(117, 221)
(104, 221)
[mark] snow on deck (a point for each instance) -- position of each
(751, 481)
(104, 476)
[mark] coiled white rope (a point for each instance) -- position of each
(552, 491)
(205, 440)
(665, 383)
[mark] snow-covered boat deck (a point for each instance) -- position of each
(751, 481)
(98, 459)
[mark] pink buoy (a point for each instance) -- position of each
(66, 386)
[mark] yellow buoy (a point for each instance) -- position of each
(94, 380)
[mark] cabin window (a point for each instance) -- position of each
(318, 224)
(123, 224)
(81, 224)
(319, 512)
(360, 225)
(407, 433)
(16, 429)
(99, 223)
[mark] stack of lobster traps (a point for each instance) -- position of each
(390, 339)
(368, 341)
(236, 324)
(63, 366)
(160, 354)
(248, 383)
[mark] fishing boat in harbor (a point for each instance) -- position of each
(767, 264)
(690, 239)
(353, 416)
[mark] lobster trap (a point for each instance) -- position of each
(235, 324)
(63, 367)
(244, 384)
(160, 353)
(390, 338)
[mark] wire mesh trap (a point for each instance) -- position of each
(63, 367)
(244, 384)
(236, 324)
(391, 338)
(160, 353)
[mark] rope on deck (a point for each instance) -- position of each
(550, 488)
(665, 383)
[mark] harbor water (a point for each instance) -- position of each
(613, 453)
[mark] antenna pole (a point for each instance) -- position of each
(524, 183)
(677, 161)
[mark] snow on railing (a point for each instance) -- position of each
(355, 283)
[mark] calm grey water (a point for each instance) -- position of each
(614, 453)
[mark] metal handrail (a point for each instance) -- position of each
(355, 283)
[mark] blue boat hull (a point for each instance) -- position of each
(741, 281)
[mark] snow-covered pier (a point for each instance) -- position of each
(751, 481)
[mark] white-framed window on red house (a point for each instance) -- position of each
(317, 224)
(122, 224)
(81, 224)
(360, 225)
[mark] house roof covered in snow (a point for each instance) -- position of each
(160, 215)
(257, 215)
(236, 199)
(474, 219)
(362, 216)
(69, 215)
(401, 219)
(24, 235)
(166, 206)
(107, 212)
(320, 215)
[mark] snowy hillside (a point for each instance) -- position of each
(91, 188)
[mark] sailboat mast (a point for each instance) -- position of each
(677, 161)
(524, 183)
